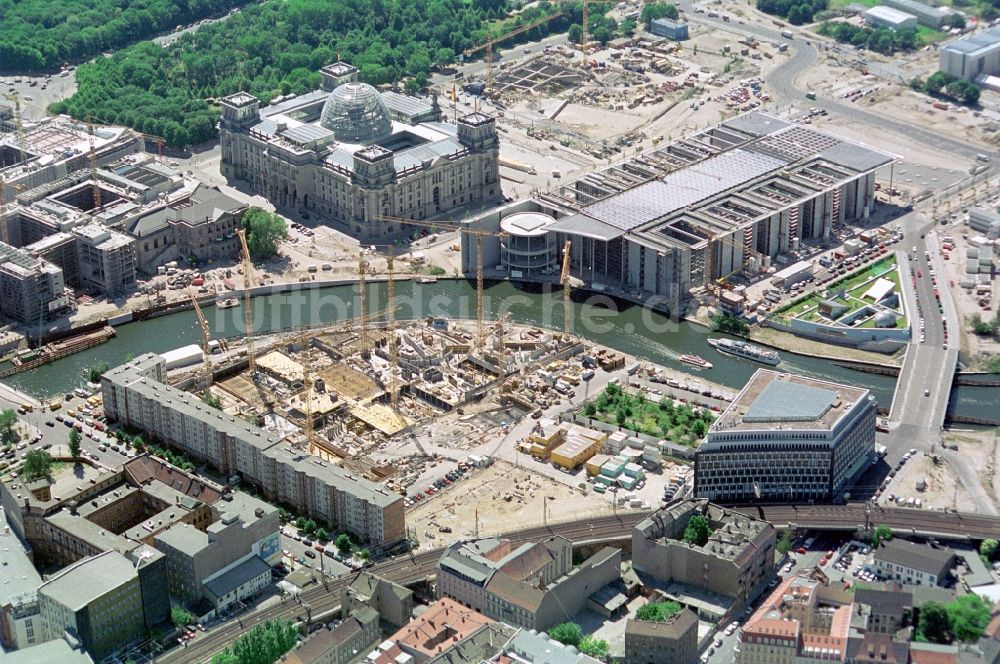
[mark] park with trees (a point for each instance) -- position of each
(678, 423)
(277, 48)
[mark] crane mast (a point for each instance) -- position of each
(93, 163)
(205, 336)
(363, 332)
(248, 283)
(564, 277)
(393, 350)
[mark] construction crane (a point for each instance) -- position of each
(564, 277)
(363, 332)
(18, 123)
(585, 34)
(477, 233)
(205, 335)
(393, 345)
(489, 43)
(159, 141)
(307, 383)
(248, 283)
(501, 360)
(710, 258)
(93, 163)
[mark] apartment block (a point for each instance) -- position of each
(393, 602)
(135, 395)
(736, 561)
(244, 526)
(20, 623)
(466, 568)
(98, 600)
(345, 643)
(911, 563)
(803, 621)
(674, 641)
(531, 647)
(787, 437)
(443, 626)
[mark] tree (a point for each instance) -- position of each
(37, 464)
(698, 530)
(575, 33)
(597, 648)
(988, 549)
(882, 533)
(8, 418)
(322, 535)
(656, 10)
(264, 230)
(567, 633)
(731, 324)
(95, 372)
(310, 527)
(657, 611)
(343, 543)
(589, 409)
(969, 615)
(784, 544)
(300, 522)
(211, 400)
(934, 624)
(264, 644)
(74, 443)
(181, 617)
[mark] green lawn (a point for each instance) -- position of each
(927, 35)
(840, 4)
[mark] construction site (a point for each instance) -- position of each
(354, 393)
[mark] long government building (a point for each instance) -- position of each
(664, 224)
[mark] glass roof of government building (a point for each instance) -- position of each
(781, 401)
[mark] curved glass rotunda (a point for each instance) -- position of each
(356, 113)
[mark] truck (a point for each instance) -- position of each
(811, 95)
(787, 34)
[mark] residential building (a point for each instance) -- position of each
(883, 611)
(787, 437)
(674, 641)
(533, 604)
(344, 643)
(351, 155)
(673, 30)
(802, 621)
(32, 290)
(881, 16)
(933, 653)
(911, 563)
(243, 579)
(466, 568)
(20, 623)
(531, 647)
(56, 650)
(392, 602)
(441, 627)
(728, 199)
(201, 225)
(106, 260)
(137, 395)
(242, 526)
(736, 562)
(972, 56)
(932, 17)
(98, 600)
(875, 648)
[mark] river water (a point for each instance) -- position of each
(628, 328)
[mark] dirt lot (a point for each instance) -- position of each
(487, 489)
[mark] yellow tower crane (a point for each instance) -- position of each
(564, 277)
(393, 345)
(363, 331)
(248, 283)
(93, 163)
(489, 43)
(307, 383)
(18, 123)
(205, 336)
(477, 233)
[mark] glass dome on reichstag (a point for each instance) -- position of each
(356, 113)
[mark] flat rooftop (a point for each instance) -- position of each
(772, 399)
